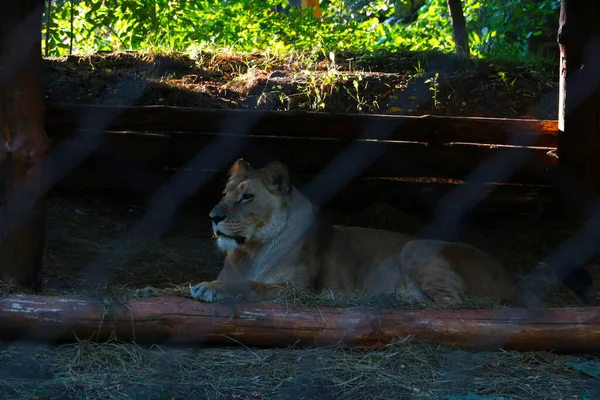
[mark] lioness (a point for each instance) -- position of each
(273, 235)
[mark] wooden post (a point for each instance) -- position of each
(579, 98)
(23, 140)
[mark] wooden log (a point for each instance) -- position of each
(24, 143)
(579, 99)
(433, 130)
(178, 320)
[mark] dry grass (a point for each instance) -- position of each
(91, 230)
(297, 297)
(401, 371)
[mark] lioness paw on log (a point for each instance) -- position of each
(272, 235)
(209, 292)
(219, 290)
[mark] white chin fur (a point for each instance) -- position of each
(226, 244)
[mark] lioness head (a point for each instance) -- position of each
(254, 207)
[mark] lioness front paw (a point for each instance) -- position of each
(210, 292)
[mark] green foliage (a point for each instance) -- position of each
(498, 28)
(434, 87)
(504, 26)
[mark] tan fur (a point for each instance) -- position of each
(282, 239)
(312, 3)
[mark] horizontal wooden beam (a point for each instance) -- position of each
(112, 174)
(376, 159)
(177, 320)
(387, 159)
(433, 130)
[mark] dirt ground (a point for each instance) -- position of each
(399, 83)
(93, 228)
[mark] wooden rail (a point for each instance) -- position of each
(433, 130)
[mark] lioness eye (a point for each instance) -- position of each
(247, 197)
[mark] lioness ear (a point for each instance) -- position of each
(277, 178)
(240, 167)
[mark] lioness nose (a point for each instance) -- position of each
(217, 214)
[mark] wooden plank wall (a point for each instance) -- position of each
(140, 147)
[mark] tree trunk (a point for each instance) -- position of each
(23, 140)
(579, 98)
(459, 27)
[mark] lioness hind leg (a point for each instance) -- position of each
(433, 275)
(439, 282)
